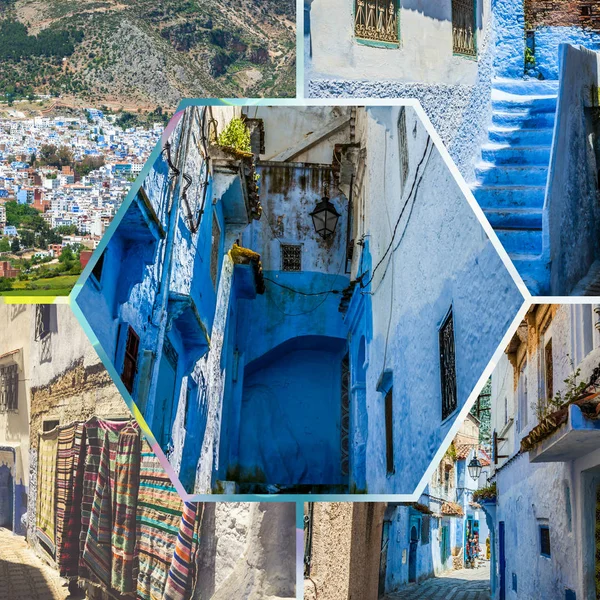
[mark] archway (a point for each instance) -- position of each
(290, 425)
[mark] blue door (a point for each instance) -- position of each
(6, 497)
(501, 561)
(165, 395)
(412, 555)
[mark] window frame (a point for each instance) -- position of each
(389, 431)
(13, 378)
(297, 247)
(475, 54)
(377, 43)
(449, 405)
(543, 527)
(130, 360)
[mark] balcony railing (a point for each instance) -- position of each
(376, 20)
(463, 27)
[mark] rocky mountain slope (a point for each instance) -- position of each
(143, 53)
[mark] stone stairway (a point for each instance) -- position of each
(511, 178)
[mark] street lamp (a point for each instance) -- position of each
(474, 468)
(325, 217)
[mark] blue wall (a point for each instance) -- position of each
(290, 416)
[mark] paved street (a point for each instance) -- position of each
(23, 576)
(466, 584)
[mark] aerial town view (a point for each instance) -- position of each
(63, 176)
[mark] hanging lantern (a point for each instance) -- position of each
(475, 468)
(325, 217)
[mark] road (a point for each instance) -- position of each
(465, 584)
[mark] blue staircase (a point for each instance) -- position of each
(511, 178)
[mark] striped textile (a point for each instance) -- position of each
(68, 517)
(94, 437)
(46, 492)
(127, 481)
(159, 512)
(96, 551)
(182, 573)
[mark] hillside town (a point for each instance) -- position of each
(72, 171)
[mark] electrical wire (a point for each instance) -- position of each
(391, 244)
(301, 293)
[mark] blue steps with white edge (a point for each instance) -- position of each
(512, 176)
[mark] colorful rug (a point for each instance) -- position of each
(127, 482)
(159, 517)
(69, 474)
(182, 573)
(96, 551)
(95, 429)
(46, 492)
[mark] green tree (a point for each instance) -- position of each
(15, 246)
(4, 245)
(66, 256)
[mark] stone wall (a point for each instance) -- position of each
(566, 13)
(247, 551)
(346, 547)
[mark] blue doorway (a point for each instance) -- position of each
(412, 555)
(6, 497)
(502, 560)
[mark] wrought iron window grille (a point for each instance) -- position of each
(291, 257)
(464, 27)
(9, 388)
(376, 20)
(448, 366)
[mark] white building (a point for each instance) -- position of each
(546, 463)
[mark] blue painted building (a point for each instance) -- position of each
(267, 357)
(514, 113)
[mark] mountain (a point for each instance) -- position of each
(140, 54)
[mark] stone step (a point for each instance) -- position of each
(534, 271)
(524, 119)
(518, 155)
(516, 218)
(502, 101)
(517, 136)
(521, 241)
(509, 196)
(491, 174)
(526, 87)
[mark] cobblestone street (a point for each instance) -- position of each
(466, 584)
(23, 576)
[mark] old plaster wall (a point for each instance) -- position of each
(345, 551)
(285, 127)
(572, 207)
(556, 494)
(16, 328)
(546, 499)
(331, 551)
(459, 111)
(412, 293)
(397, 570)
(425, 53)
(67, 383)
(249, 551)
(291, 343)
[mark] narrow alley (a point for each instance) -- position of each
(23, 575)
(464, 584)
